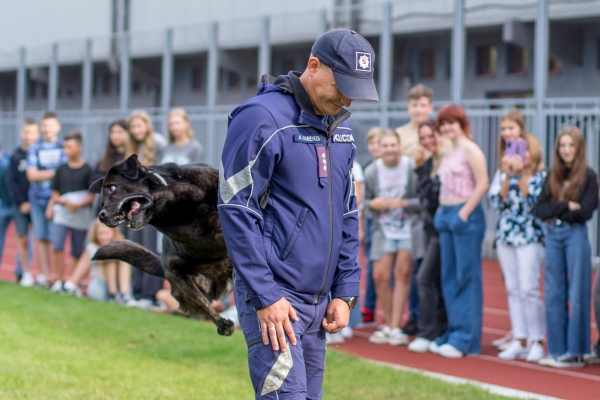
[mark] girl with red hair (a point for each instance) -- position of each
(460, 221)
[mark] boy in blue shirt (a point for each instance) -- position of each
(43, 158)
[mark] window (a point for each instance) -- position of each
(136, 87)
(198, 77)
(427, 64)
(486, 60)
(554, 66)
(598, 53)
(517, 59)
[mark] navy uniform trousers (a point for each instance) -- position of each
(295, 374)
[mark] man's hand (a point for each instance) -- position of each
(25, 208)
(337, 316)
(275, 323)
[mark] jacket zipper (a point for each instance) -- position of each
(330, 130)
(330, 190)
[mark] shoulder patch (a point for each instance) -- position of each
(309, 139)
(343, 138)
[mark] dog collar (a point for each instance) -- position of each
(161, 179)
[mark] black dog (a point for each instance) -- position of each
(181, 202)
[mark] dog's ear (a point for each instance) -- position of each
(96, 186)
(130, 168)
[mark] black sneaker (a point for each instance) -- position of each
(563, 361)
(410, 328)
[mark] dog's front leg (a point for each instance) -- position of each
(191, 290)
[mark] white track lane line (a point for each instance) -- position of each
(495, 389)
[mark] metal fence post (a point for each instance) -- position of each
(125, 72)
(264, 49)
(53, 78)
(322, 24)
(212, 76)
(87, 78)
(21, 84)
(457, 71)
(166, 89)
(540, 71)
(385, 63)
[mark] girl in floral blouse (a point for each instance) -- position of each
(520, 249)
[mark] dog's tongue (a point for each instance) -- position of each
(134, 207)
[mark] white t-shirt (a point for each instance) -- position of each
(392, 185)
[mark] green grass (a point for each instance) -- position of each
(60, 347)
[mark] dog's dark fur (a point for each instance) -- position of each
(194, 258)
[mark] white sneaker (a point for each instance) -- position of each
(128, 300)
(381, 336)
(514, 351)
(41, 279)
(419, 345)
(27, 280)
(536, 352)
(57, 287)
(335, 338)
(72, 289)
(397, 337)
(449, 351)
(347, 332)
(503, 342)
(433, 347)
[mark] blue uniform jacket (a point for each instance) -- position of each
(287, 197)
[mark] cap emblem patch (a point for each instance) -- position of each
(363, 61)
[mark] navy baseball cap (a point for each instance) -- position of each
(352, 60)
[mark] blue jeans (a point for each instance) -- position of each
(6, 215)
(42, 228)
(461, 276)
(567, 280)
(370, 295)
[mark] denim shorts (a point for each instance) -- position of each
(60, 233)
(22, 221)
(97, 289)
(393, 245)
(42, 228)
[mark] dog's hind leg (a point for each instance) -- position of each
(132, 253)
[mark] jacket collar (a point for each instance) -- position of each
(291, 83)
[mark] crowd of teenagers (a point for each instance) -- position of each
(422, 226)
(44, 189)
(422, 229)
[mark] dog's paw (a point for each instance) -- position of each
(225, 327)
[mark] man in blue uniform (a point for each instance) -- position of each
(288, 210)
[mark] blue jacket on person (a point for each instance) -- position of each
(5, 197)
(287, 199)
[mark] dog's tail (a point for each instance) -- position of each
(132, 253)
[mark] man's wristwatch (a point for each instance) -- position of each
(350, 300)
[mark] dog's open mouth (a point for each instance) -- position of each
(132, 207)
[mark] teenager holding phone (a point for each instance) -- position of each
(512, 128)
(520, 248)
(568, 200)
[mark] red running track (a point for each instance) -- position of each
(568, 384)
